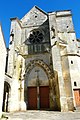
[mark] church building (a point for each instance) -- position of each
(43, 69)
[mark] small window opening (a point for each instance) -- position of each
(75, 84)
(36, 16)
(73, 40)
(71, 62)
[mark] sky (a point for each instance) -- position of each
(18, 8)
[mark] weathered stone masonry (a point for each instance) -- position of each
(42, 54)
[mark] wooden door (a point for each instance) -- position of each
(32, 98)
(44, 97)
(77, 97)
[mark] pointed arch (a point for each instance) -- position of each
(50, 76)
(41, 64)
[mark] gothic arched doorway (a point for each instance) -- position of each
(39, 85)
(6, 96)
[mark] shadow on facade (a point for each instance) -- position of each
(6, 96)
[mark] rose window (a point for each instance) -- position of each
(36, 37)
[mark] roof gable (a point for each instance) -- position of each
(35, 16)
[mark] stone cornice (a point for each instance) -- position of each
(71, 55)
(15, 18)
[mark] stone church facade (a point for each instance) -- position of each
(43, 63)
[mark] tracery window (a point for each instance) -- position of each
(36, 36)
(37, 42)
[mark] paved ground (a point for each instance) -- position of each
(43, 115)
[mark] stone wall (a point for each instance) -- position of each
(3, 53)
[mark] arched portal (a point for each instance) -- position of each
(38, 90)
(6, 96)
